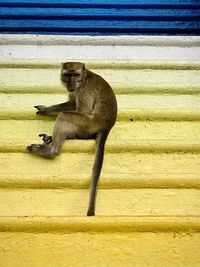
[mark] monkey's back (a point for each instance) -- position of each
(97, 98)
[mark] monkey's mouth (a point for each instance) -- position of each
(71, 87)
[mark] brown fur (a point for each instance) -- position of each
(90, 112)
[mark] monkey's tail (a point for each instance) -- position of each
(100, 144)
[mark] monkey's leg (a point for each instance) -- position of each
(46, 150)
(47, 139)
(66, 126)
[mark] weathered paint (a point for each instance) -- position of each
(125, 101)
(104, 47)
(100, 224)
(125, 40)
(100, 249)
(100, 17)
(115, 163)
(103, 64)
(181, 81)
(148, 201)
(107, 181)
(122, 202)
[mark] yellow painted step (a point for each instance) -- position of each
(102, 249)
(110, 202)
(107, 181)
(135, 101)
(148, 211)
(118, 163)
(101, 64)
(134, 146)
(106, 241)
(123, 81)
(129, 114)
(128, 164)
(99, 224)
(175, 130)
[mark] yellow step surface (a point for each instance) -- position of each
(123, 78)
(148, 203)
(168, 130)
(100, 249)
(114, 163)
(122, 202)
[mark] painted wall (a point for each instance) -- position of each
(100, 17)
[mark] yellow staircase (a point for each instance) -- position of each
(148, 204)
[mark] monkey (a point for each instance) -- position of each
(90, 113)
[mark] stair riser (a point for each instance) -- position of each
(103, 250)
(29, 129)
(122, 202)
(118, 163)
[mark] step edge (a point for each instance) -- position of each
(112, 146)
(103, 64)
(100, 224)
(154, 89)
(107, 181)
(131, 114)
(126, 40)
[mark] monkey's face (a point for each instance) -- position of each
(72, 75)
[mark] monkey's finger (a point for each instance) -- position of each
(34, 147)
(40, 112)
(48, 140)
(28, 147)
(43, 135)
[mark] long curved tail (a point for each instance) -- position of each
(100, 144)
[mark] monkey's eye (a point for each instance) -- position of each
(69, 75)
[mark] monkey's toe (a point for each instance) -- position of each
(34, 147)
(90, 213)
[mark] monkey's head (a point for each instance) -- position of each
(73, 75)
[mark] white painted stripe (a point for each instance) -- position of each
(100, 48)
(33, 39)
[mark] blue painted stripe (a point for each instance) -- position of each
(100, 16)
(103, 3)
(95, 24)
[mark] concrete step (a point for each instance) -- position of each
(115, 163)
(122, 81)
(123, 130)
(122, 202)
(125, 77)
(134, 101)
(94, 248)
(147, 212)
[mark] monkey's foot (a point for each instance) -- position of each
(90, 213)
(46, 138)
(43, 150)
(35, 148)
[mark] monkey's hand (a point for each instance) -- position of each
(41, 110)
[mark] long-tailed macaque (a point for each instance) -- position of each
(90, 113)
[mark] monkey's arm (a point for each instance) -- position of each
(67, 106)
